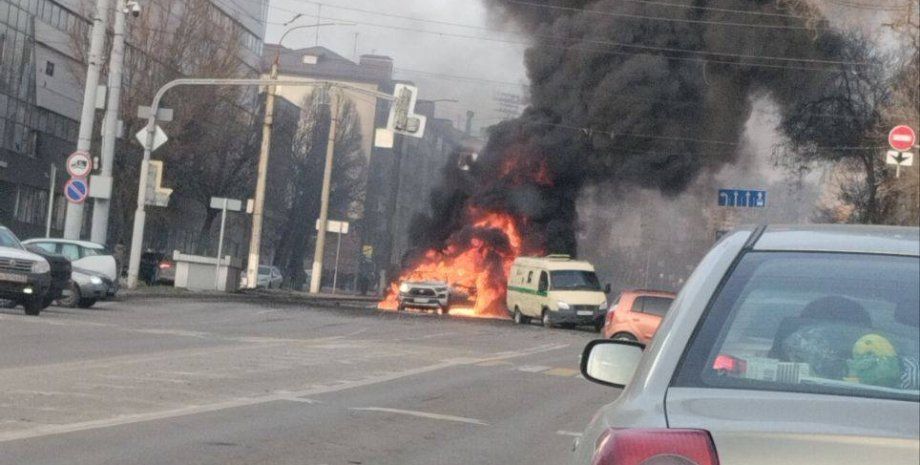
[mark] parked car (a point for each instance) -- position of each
(85, 255)
(61, 271)
(787, 345)
(636, 314)
(85, 289)
(269, 278)
(557, 291)
(425, 295)
(25, 277)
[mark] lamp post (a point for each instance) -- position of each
(258, 210)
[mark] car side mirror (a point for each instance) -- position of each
(607, 288)
(611, 362)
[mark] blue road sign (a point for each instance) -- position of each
(76, 190)
(744, 198)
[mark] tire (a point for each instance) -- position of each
(86, 303)
(519, 318)
(33, 306)
(624, 337)
(441, 311)
(73, 299)
(547, 321)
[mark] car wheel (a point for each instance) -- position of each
(519, 317)
(624, 337)
(547, 320)
(86, 303)
(73, 299)
(441, 311)
(33, 306)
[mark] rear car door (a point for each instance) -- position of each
(807, 359)
(643, 319)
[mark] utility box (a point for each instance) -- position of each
(197, 273)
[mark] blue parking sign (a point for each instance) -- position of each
(76, 190)
(742, 198)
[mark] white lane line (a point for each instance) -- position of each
(532, 368)
(415, 413)
(49, 430)
(304, 401)
(568, 433)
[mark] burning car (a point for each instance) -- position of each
(426, 295)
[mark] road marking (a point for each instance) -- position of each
(416, 413)
(568, 433)
(304, 401)
(50, 430)
(564, 372)
(532, 368)
(494, 363)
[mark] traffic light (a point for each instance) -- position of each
(403, 119)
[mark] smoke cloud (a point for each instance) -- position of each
(628, 94)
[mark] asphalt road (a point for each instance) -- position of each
(192, 382)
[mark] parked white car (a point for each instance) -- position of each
(84, 255)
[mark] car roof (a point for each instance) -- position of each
(887, 240)
(648, 292)
(554, 263)
(87, 244)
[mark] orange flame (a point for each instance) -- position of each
(472, 264)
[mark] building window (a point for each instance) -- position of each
(49, 68)
(32, 205)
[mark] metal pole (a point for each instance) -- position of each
(51, 200)
(220, 244)
(140, 216)
(101, 206)
(335, 273)
(316, 278)
(73, 224)
(255, 239)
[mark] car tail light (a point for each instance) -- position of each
(727, 364)
(655, 447)
(165, 265)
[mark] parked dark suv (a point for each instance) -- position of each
(25, 277)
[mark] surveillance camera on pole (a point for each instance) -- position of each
(403, 119)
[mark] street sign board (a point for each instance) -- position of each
(338, 227)
(159, 138)
(76, 190)
(899, 158)
(79, 164)
(232, 205)
(744, 198)
(902, 138)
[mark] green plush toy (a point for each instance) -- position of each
(875, 362)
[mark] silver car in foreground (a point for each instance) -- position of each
(787, 345)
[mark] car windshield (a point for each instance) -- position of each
(817, 323)
(265, 270)
(574, 280)
(7, 239)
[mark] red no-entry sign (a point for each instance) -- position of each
(902, 138)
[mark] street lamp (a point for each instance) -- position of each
(255, 240)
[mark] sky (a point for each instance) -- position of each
(497, 66)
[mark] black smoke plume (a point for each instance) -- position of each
(629, 93)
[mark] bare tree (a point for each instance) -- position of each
(844, 125)
(305, 184)
(212, 149)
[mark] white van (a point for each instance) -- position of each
(557, 290)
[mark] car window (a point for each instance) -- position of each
(7, 239)
(46, 246)
(651, 305)
(575, 280)
(91, 252)
(544, 282)
(71, 251)
(846, 324)
(264, 270)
